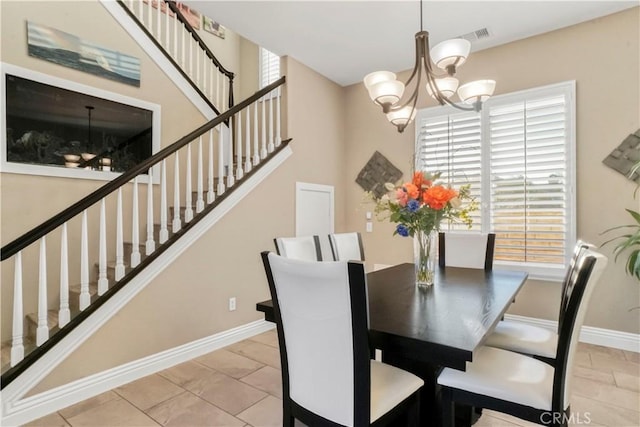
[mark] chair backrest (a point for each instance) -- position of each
(468, 250)
(578, 250)
(305, 248)
(589, 268)
(322, 321)
(346, 246)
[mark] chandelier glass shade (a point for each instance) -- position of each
(400, 107)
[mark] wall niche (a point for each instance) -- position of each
(61, 128)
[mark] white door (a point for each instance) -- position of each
(314, 213)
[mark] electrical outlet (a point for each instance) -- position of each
(232, 304)
(369, 226)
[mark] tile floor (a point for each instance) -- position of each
(240, 386)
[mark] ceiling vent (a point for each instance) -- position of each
(473, 36)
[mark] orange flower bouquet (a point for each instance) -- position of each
(418, 207)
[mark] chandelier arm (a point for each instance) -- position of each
(476, 106)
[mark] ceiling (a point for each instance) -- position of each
(345, 40)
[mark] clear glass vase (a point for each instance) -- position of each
(424, 256)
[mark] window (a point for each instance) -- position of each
(518, 155)
(269, 67)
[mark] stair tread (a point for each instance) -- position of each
(76, 289)
(52, 318)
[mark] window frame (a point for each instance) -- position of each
(537, 271)
(261, 51)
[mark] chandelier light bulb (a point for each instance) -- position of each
(450, 52)
(386, 92)
(447, 86)
(402, 117)
(377, 77)
(479, 90)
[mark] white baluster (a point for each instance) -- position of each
(159, 21)
(223, 105)
(119, 273)
(176, 195)
(175, 35)
(200, 179)
(278, 119)
(247, 137)
(150, 16)
(166, 24)
(218, 91)
(190, 43)
(256, 140)
(198, 52)
(188, 209)
(150, 244)
(263, 152)
(230, 178)
(164, 228)
(239, 171)
(210, 194)
(64, 315)
(182, 49)
(135, 227)
(140, 11)
(205, 62)
(103, 281)
(17, 345)
(85, 298)
(220, 162)
(270, 148)
(42, 332)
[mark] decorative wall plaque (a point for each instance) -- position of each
(376, 173)
(623, 158)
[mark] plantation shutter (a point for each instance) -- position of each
(528, 167)
(451, 144)
(269, 67)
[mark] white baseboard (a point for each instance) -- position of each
(44, 403)
(589, 334)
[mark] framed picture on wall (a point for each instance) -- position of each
(212, 27)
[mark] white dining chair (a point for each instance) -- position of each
(466, 250)
(346, 246)
(328, 378)
(520, 385)
(303, 248)
(533, 340)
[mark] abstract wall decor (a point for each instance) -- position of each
(623, 158)
(378, 171)
(211, 26)
(71, 51)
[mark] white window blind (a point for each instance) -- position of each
(269, 67)
(518, 155)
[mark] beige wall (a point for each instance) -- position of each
(603, 57)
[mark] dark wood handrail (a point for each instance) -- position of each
(196, 37)
(57, 220)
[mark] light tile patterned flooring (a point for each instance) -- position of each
(240, 386)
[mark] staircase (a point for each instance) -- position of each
(102, 248)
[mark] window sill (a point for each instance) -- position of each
(544, 272)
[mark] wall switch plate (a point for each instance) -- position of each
(232, 304)
(369, 226)
(368, 215)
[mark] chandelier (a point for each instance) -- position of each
(387, 92)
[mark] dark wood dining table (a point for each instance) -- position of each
(425, 330)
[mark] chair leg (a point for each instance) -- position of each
(287, 418)
(413, 413)
(448, 409)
